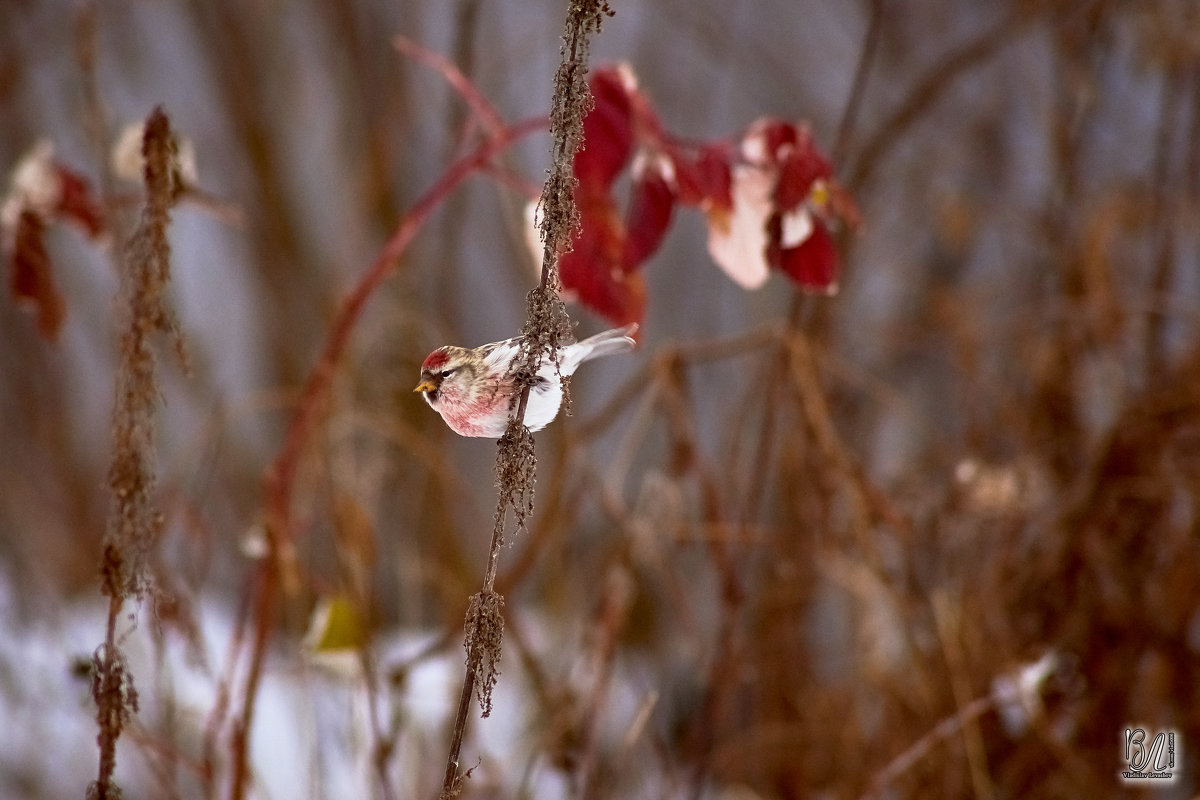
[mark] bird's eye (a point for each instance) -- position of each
(446, 373)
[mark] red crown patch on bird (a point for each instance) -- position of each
(435, 359)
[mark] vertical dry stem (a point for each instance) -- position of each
(546, 328)
(135, 523)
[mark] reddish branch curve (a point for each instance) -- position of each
(279, 478)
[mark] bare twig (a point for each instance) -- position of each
(866, 58)
(1177, 86)
(928, 90)
(949, 726)
(947, 617)
(872, 503)
(484, 110)
(610, 619)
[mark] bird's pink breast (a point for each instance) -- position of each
(484, 417)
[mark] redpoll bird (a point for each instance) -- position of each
(472, 389)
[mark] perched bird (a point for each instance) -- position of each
(472, 389)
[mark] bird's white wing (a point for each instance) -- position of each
(498, 355)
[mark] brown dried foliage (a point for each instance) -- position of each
(483, 643)
(135, 523)
(516, 464)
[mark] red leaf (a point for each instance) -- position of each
(614, 294)
(789, 150)
(813, 263)
(767, 140)
(75, 202)
(651, 203)
(33, 275)
(800, 168)
(601, 238)
(776, 135)
(705, 182)
(591, 271)
(607, 131)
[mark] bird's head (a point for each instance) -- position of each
(445, 373)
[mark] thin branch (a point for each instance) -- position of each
(608, 623)
(930, 88)
(845, 129)
(279, 479)
(480, 105)
(698, 351)
(280, 476)
(949, 726)
(872, 504)
(947, 617)
(1177, 85)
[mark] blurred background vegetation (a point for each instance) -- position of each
(792, 547)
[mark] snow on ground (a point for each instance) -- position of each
(312, 734)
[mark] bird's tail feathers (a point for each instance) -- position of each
(617, 340)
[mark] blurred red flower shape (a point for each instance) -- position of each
(770, 199)
(42, 190)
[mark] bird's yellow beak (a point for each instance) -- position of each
(425, 386)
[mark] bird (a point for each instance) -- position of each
(473, 389)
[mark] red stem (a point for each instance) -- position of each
(469, 92)
(279, 478)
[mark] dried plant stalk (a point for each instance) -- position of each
(547, 327)
(135, 523)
